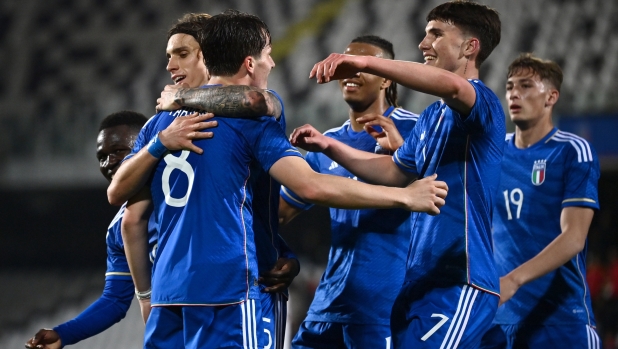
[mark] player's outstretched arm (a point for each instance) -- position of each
(574, 222)
(135, 236)
(133, 174)
(426, 195)
(452, 88)
(389, 138)
(231, 101)
(373, 168)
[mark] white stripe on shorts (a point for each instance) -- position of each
(249, 335)
(460, 319)
(593, 338)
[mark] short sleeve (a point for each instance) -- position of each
(405, 156)
(581, 177)
(486, 107)
(117, 265)
(289, 196)
(272, 144)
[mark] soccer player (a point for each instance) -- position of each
(369, 247)
(117, 134)
(450, 293)
(204, 283)
(547, 197)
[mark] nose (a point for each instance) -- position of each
(172, 65)
(424, 44)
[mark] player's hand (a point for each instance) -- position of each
(508, 288)
(308, 138)
(279, 278)
(181, 133)
(388, 137)
(145, 307)
(427, 195)
(167, 101)
(337, 66)
(45, 339)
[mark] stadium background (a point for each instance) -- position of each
(68, 63)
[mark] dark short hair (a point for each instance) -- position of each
(545, 69)
(190, 24)
(389, 53)
(473, 19)
(232, 36)
(130, 118)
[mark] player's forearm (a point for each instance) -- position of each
(135, 237)
(231, 101)
(110, 308)
(575, 222)
(287, 212)
(372, 168)
(454, 89)
(131, 176)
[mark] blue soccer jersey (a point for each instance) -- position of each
(560, 170)
(117, 265)
(455, 246)
(203, 204)
(368, 247)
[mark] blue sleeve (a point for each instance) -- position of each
(486, 107)
(117, 265)
(271, 144)
(144, 136)
(405, 156)
(110, 308)
(581, 177)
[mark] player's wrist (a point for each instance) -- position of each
(143, 295)
(156, 148)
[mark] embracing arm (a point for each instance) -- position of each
(574, 222)
(455, 90)
(425, 195)
(231, 101)
(373, 168)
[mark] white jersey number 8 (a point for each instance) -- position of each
(177, 163)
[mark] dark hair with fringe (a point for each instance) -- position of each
(545, 69)
(473, 19)
(389, 53)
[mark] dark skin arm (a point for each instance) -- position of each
(231, 101)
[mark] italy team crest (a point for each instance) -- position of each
(538, 172)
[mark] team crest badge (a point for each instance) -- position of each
(538, 172)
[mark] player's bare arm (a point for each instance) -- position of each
(425, 195)
(455, 90)
(45, 339)
(287, 212)
(389, 138)
(135, 237)
(232, 101)
(373, 168)
(574, 222)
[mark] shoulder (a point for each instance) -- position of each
(336, 131)
(404, 115)
(574, 143)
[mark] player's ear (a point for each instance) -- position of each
(471, 47)
(385, 84)
(249, 64)
(552, 97)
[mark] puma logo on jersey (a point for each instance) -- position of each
(333, 166)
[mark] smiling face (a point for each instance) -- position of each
(113, 145)
(442, 46)
(528, 97)
(363, 89)
(185, 61)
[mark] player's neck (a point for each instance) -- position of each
(528, 136)
(377, 107)
(468, 70)
(238, 79)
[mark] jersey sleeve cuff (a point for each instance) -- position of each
(581, 202)
(294, 200)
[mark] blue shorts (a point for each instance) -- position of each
(205, 327)
(441, 317)
(274, 313)
(541, 336)
(333, 335)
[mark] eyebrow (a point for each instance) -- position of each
(178, 49)
(435, 31)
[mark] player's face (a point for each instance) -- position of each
(363, 89)
(263, 65)
(185, 61)
(442, 46)
(113, 144)
(527, 96)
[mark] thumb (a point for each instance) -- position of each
(432, 177)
